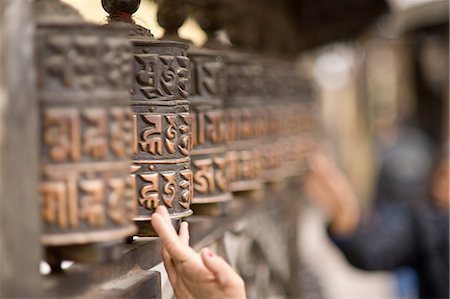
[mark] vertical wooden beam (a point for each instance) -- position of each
(20, 249)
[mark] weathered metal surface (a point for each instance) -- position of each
(86, 191)
(161, 123)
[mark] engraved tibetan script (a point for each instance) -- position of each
(156, 188)
(159, 135)
(161, 76)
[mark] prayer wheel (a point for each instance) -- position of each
(243, 114)
(244, 122)
(161, 120)
(84, 72)
(281, 94)
(208, 161)
(297, 128)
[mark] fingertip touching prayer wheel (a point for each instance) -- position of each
(161, 120)
(212, 195)
(83, 81)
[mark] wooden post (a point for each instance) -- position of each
(20, 249)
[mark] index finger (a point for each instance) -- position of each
(178, 251)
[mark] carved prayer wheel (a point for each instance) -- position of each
(307, 122)
(297, 128)
(208, 160)
(271, 147)
(281, 99)
(161, 121)
(298, 125)
(244, 121)
(243, 114)
(83, 82)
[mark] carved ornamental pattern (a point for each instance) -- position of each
(87, 194)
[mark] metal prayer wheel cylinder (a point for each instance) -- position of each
(298, 128)
(289, 136)
(307, 122)
(208, 159)
(272, 146)
(162, 130)
(83, 70)
(244, 84)
(161, 122)
(283, 146)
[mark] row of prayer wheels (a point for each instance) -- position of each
(129, 123)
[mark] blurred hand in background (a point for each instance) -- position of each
(327, 186)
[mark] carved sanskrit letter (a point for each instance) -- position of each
(170, 188)
(59, 204)
(246, 123)
(171, 133)
(231, 119)
(207, 74)
(130, 195)
(92, 208)
(220, 175)
(54, 203)
(214, 130)
(204, 176)
(57, 65)
(168, 74)
(121, 132)
(185, 145)
(85, 65)
(147, 76)
(116, 201)
(198, 135)
(149, 198)
(257, 164)
(61, 134)
(183, 75)
(246, 164)
(94, 138)
(233, 165)
(116, 63)
(122, 199)
(188, 188)
(152, 137)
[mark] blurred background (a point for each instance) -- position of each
(380, 70)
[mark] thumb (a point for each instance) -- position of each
(223, 272)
